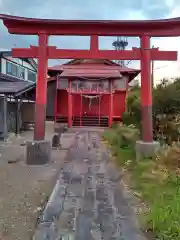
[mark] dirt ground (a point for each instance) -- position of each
(24, 189)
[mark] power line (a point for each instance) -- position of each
(166, 65)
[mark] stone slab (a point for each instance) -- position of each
(56, 140)
(146, 149)
(38, 152)
(88, 201)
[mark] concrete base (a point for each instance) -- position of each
(38, 152)
(146, 149)
(56, 140)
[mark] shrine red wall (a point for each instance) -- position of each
(118, 104)
(76, 103)
(62, 103)
(104, 107)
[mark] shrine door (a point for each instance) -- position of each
(91, 105)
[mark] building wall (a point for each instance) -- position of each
(119, 106)
(28, 112)
(62, 103)
(3, 118)
(11, 117)
(20, 64)
(25, 115)
(51, 93)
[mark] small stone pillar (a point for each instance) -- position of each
(38, 152)
(146, 149)
(56, 140)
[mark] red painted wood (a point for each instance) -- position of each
(62, 109)
(41, 89)
(107, 31)
(81, 110)
(55, 102)
(134, 54)
(95, 65)
(69, 105)
(119, 104)
(89, 54)
(127, 88)
(110, 105)
(144, 29)
(99, 112)
(92, 111)
(94, 43)
(154, 28)
(25, 52)
(91, 73)
(146, 91)
(76, 102)
(146, 85)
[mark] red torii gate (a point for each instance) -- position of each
(46, 27)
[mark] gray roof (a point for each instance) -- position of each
(15, 88)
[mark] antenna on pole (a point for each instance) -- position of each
(120, 44)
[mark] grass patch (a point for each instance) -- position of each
(155, 182)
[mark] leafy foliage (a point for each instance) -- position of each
(153, 180)
(166, 110)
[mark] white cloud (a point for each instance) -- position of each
(170, 3)
(167, 68)
(135, 15)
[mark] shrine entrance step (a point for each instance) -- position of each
(91, 121)
(62, 119)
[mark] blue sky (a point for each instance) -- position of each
(94, 9)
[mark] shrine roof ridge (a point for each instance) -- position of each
(35, 26)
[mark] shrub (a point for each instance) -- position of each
(166, 110)
(128, 135)
(126, 118)
(170, 156)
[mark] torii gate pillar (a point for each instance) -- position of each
(39, 150)
(147, 146)
(41, 88)
(146, 90)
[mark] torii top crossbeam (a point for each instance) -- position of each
(33, 26)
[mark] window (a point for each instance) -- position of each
(31, 76)
(15, 70)
(120, 84)
(63, 83)
(11, 69)
(20, 72)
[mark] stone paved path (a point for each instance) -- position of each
(88, 202)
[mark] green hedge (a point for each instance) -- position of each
(166, 111)
(153, 180)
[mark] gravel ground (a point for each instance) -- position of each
(24, 189)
